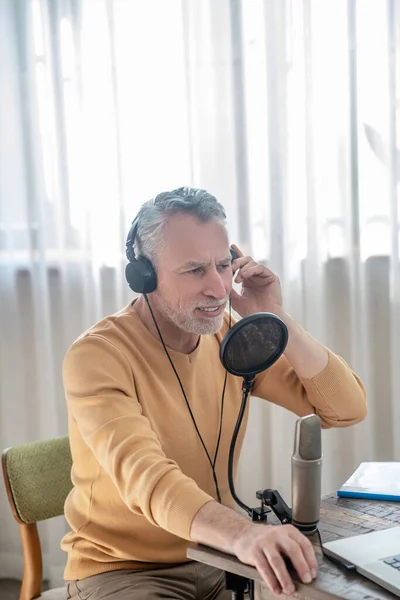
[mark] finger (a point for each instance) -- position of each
(266, 270)
(251, 270)
(246, 262)
(241, 261)
(266, 572)
(277, 564)
(237, 250)
(294, 551)
(309, 553)
(253, 265)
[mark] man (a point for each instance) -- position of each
(149, 438)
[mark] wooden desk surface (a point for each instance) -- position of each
(340, 517)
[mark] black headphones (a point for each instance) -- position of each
(139, 272)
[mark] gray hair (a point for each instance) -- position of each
(152, 216)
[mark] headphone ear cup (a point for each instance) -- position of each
(141, 276)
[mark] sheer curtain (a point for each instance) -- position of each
(285, 110)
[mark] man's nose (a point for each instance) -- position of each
(215, 285)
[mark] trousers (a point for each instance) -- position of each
(189, 581)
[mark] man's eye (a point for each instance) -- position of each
(200, 270)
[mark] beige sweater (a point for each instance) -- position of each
(139, 471)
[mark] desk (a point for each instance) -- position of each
(340, 517)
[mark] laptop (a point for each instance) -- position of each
(375, 555)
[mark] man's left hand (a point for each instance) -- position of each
(261, 288)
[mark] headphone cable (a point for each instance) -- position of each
(212, 462)
(223, 391)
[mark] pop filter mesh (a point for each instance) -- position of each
(254, 345)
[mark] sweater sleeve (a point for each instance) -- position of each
(101, 398)
(336, 395)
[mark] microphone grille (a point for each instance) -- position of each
(308, 436)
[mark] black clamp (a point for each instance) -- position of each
(274, 500)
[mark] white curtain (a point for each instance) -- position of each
(285, 110)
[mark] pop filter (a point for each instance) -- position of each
(253, 344)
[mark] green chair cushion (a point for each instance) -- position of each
(39, 475)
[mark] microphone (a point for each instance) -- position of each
(306, 474)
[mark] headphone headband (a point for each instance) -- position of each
(130, 240)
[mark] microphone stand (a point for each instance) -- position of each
(270, 500)
(271, 327)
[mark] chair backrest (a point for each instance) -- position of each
(38, 478)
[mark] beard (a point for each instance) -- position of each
(185, 316)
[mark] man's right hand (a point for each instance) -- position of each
(262, 546)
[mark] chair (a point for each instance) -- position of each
(37, 477)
